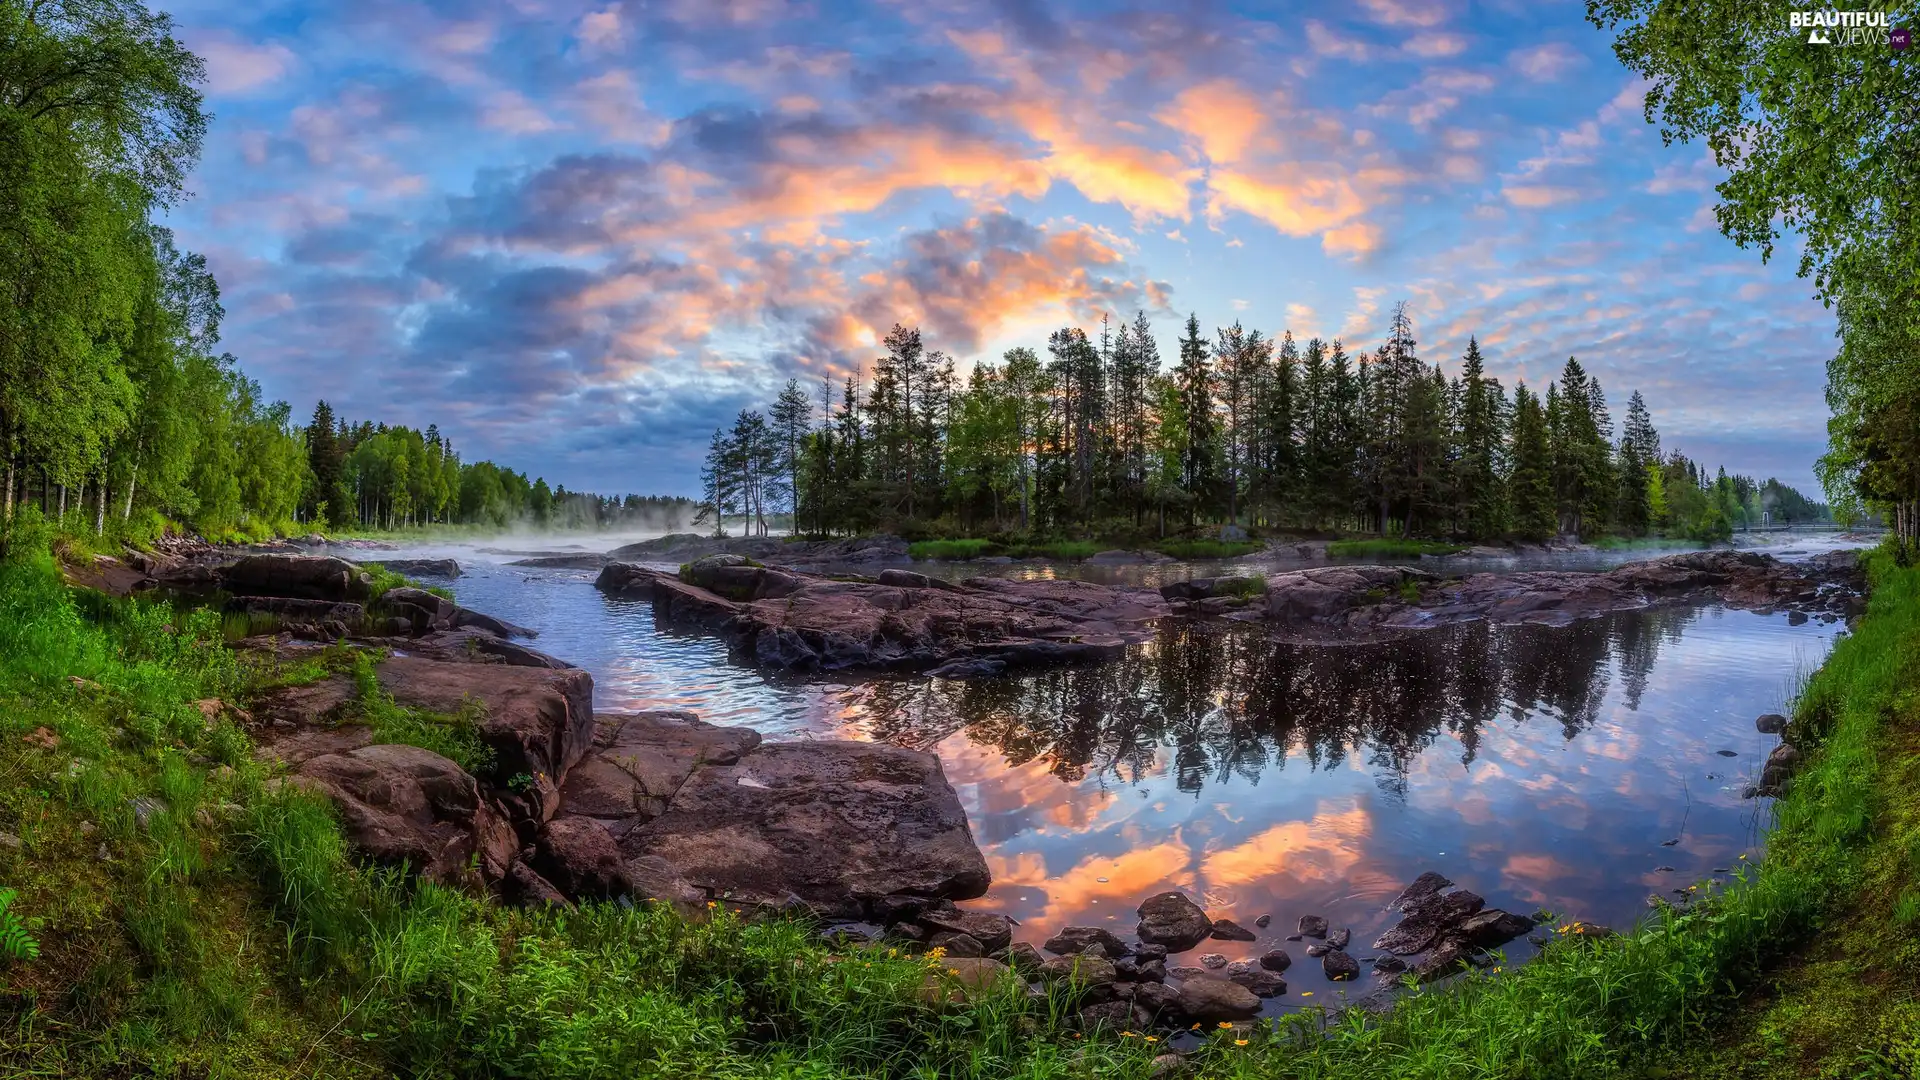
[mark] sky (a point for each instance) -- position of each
(579, 235)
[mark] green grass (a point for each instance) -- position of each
(233, 935)
(1191, 550)
(1246, 588)
(1642, 543)
(385, 580)
(1075, 550)
(1389, 548)
(952, 549)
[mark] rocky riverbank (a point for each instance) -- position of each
(784, 619)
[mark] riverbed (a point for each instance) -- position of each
(1544, 768)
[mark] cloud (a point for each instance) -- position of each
(1406, 12)
(236, 66)
(1546, 62)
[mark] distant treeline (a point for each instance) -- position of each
(117, 410)
(1245, 429)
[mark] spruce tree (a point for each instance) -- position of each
(1477, 475)
(1530, 485)
(1196, 400)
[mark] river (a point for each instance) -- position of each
(1544, 768)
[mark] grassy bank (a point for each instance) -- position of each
(193, 919)
(1388, 548)
(1076, 550)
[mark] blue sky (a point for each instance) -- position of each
(580, 235)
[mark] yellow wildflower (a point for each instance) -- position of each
(1152, 1038)
(1126, 1034)
(1224, 1026)
(1306, 993)
(1239, 1042)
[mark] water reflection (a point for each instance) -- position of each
(1224, 701)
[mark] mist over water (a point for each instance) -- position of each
(1540, 767)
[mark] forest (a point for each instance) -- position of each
(1245, 429)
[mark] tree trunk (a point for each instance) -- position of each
(9, 489)
(100, 517)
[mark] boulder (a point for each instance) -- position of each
(1427, 884)
(1074, 939)
(1339, 966)
(427, 611)
(1262, 982)
(993, 932)
(1172, 920)
(296, 610)
(442, 568)
(1156, 999)
(580, 859)
(638, 762)
(1024, 958)
(471, 646)
(1314, 926)
(1338, 939)
(1206, 1000)
(1427, 919)
(404, 805)
(469, 619)
(1276, 960)
(1088, 973)
(537, 722)
(299, 577)
(1771, 724)
(1228, 930)
(1110, 1016)
(1493, 928)
(954, 943)
(823, 822)
(960, 978)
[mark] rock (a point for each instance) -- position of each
(960, 978)
(1074, 939)
(11, 842)
(145, 808)
(1263, 921)
(537, 722)
(845, 936)
(1181, 974)
(444, 568)
(580, 859)
(1426, 919)
(1319, 949)
(1728, 753)
(1389, 965)
(1338, 939)
(1448, 956)
(1109, 1016)
(1427, 884)
(1084, 972)
(1339, 966)
(1207, 999)
(1228, 930)
(524, 885)
(1150, 970)
(1156, 999)
(954, 943)
(1172, 920)
(1276, 960)
(1024, 958)
(638, 762)
(298, 610)
(785, 619)
(1166, 1067)
(993, 932)
(1213, 961)
(467, 618)
(1492, 928)
(885, 910)
(426, 611)
(1771, 724)
(469, 646)
(827, 822)
(1150, 951)
(1313, 926)
(300, 577)
(1263, 983)
(404, 805)
(1781, 765)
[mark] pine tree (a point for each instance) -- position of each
(1478, 487)
(791, 416)
(1197, 470)
(1639, 453)
(1530, 485)
(1240, 363)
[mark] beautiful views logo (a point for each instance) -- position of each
(1848, 28)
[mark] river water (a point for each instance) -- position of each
(1544, 768)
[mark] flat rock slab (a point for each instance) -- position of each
(788, 620)
(640, 760)
(821, 822)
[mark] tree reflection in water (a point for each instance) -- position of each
(1229, 700)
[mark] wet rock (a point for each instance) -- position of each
(1781, 765)
(301, 577)
(1427, 884)
(401, 805)
(1228, 930)
(1389, 965)
(1074, 939)
(1263, 921)
(1770, 724)
(1338, 939)
(468, 619)
(1336, 595)
(1263, 983)
(1319, 949)
(524, 885)
(1213, 961)
(426, 611)
(1314, 926)
(1492, 928)
(442, 568)
(993, 932)
(1728, 753)
(1448, 956)
(1172, 920)
(1183, 973)
(1206, 999)
(1339, 966)
(298, 610)
(825, 822)
(1150, 970)
(1276, 960)
(957, 944)
(894, 907)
